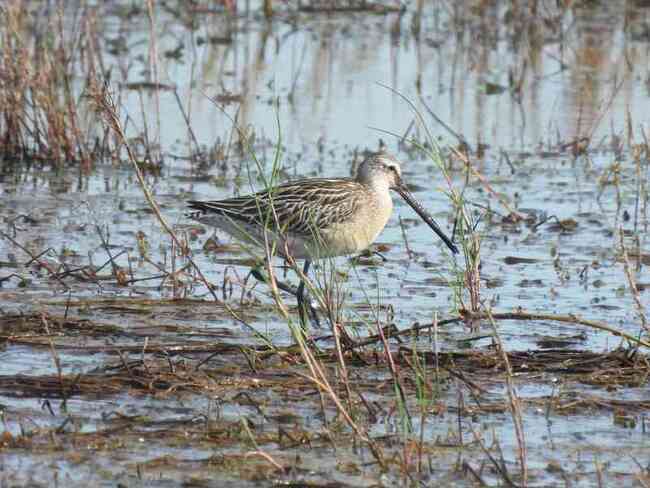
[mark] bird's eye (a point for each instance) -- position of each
(393, 169)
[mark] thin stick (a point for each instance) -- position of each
(521, 315)
(153, 64)
(35, 258)
(633, 288)
(319, 378)
(515, 405)
(107, 107)
(486, 184)
(187, 123)
(404, 237)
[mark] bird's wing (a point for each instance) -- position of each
(299, 207)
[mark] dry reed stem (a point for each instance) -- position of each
(153, 61)
(515, 406)
(269, 268)
(473, 271)
(633, 288)
(343, 370)
(107, 108)
(40, 116)
(106, 105)
(519, 315)
(258, 451)
(319, 378)
(37, 259)
(499, 467)
(393, 369)
(486, 185)
(267, 457)
(268, 9)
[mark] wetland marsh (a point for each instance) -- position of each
(134, 355)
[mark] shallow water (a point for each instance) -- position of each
(312, 85)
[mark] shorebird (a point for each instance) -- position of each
(317, 217)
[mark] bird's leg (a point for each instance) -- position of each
(300, 293)
(260, 276)
(305, 307)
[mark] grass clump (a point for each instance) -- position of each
(43, 114)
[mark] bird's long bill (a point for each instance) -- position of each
(415, 205)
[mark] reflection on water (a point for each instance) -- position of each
(574, 75)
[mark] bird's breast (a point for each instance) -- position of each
(357, 233)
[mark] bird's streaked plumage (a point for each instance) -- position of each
(317, 217)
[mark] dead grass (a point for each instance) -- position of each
(264, 381)
(43, 114)
(200, 362)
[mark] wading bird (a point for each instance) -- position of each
(317, 217)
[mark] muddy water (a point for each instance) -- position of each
(312, 85)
